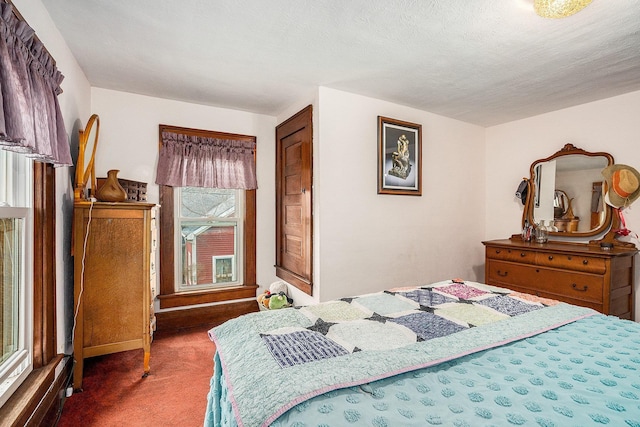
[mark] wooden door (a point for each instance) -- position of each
(294, 233)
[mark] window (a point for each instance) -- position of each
(208, 235)
(16, 278)
(209, 227)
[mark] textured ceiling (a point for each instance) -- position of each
(482, 61)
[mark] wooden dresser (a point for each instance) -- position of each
(571, 272)
(114, 248)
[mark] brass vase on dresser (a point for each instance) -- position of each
(111, 190)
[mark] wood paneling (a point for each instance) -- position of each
(44, 277)
(183, 299)
(211, 316)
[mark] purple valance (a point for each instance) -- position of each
(30, 118)
(195, 161)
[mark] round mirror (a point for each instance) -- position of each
(85, 169)
(566, 192)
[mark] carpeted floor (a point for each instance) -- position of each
(174, 393)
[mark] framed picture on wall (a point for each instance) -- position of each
(399, 157)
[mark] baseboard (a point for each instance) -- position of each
(200, 316)
(50, 409)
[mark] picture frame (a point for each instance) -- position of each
(399, 157)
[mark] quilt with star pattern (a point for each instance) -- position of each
(274, 360)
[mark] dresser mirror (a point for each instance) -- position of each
(566, 193)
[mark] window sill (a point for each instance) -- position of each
(27, 398)
(183, 299)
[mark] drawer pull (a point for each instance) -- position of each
(498, 251)
(550, 257)
(522, 254)
(585, 261)
(584, 288)
(502, 274)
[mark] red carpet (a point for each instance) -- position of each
(174, 393)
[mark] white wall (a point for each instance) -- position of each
(609, 125)
(75, 106)
(371, 242)
(129, 142)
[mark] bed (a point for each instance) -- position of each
(454, 353)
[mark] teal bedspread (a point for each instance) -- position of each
(586, 373)
(270, 362)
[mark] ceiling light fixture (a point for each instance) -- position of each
(559, 8)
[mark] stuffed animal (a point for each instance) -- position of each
(270, 300)
(263, 299)
(278, 301)
(277, 287)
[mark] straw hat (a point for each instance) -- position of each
(623, 185)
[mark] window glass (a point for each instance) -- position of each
(210, 231)
(10, 263)
(15, 271)
(207, 203)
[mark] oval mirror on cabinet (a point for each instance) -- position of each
(566, 192)
(86, 182)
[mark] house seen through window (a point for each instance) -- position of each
(209, 228)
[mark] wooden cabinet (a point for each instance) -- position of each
(114, 286)
(575, 273)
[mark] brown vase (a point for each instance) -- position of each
(111, 190)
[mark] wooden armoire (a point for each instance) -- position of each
(114, 248)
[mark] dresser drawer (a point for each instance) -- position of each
(516, 255)
(586, 287)
(572, 262)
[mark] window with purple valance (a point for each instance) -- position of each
(30, 118)
(197, 161)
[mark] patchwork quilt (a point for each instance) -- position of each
(274, 360)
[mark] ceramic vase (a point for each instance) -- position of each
(111, 190)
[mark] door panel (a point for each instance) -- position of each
(294, 235)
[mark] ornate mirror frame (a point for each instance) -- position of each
(532, 195)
